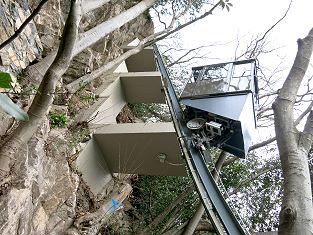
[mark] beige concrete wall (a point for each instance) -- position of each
(93, 168)
(122, 68)
(111, 101)
(135, 148)
(143, 87)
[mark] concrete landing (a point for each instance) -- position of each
(142, 87)
(141, 62)
(135, 148)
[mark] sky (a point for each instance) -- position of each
(251, 17)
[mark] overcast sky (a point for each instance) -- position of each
(251, 17)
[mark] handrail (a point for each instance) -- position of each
(207, 188)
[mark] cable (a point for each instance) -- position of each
(174, 164)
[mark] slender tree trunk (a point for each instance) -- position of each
(46, 90)
(192, 225)
(296, 215)
(98, 32)
(87, 39)
(167, 210)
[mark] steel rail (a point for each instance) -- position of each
(211, 197)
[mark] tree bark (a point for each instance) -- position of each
(167, 210)
(193, 223)
(87, 39)
(89, 5)
(296, 215)
(45, 93)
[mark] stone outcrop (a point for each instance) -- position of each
(22, 51)
(27, 46)
(40, 195)
(44, 194)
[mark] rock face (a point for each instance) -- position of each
(40, 195)
(26, 47)
(44, 194)
(22, 51)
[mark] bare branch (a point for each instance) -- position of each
(186, 24)
(180, 59)
(89, 5)
(305, 112)
(270, 140)
(25, 23)
(252, 54)
(262, 144)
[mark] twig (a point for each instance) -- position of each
(25, 23)
(264, 35)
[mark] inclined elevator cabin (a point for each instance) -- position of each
(219, 105)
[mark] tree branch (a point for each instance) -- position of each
(262, 144)
(87, 39)
(270, 140)
(186, 24)
(45, 93)
(25, 23)
(89, 5)
(306, 137)
(252, 54)
(75, 85)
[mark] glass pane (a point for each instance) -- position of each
(221, 78)
(242, 78)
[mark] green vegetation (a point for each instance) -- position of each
(57, 119)
(6, 104)
(152, 194)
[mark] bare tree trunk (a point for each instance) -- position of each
(87, 39)
(167, 210)
(46, 90)
(205, 225)
(192, 225)
(296, 216)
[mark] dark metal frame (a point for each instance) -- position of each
(209, 192)
(255, 80)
